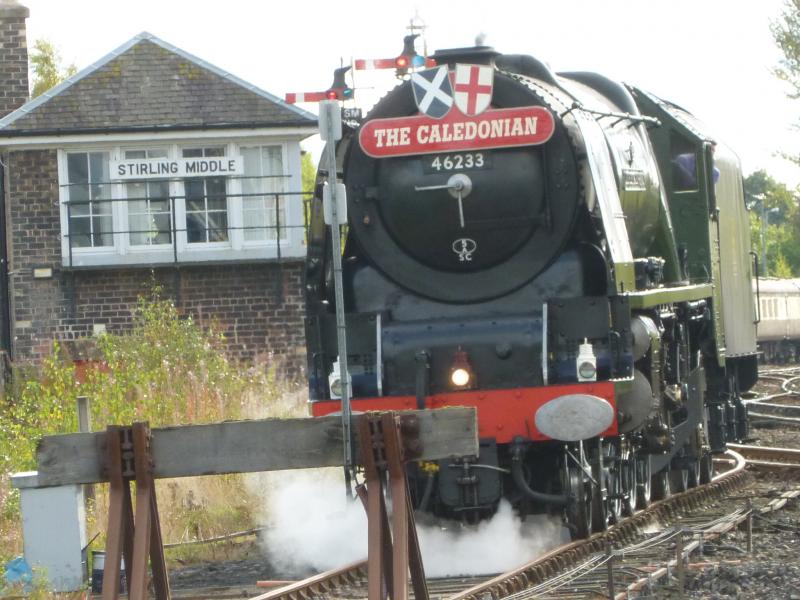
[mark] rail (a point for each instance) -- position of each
(765, 456)
(537, 571)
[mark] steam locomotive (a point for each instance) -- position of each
(564, 252)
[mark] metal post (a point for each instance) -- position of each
(764, 218)
(174, 230)
(749, 526)
(331, 108)
(85, 426)
(278, 224)
(278, 242)
(765, 213)
(679, 563)
(610, 568)
(69, 227)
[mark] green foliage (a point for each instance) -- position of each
(786, 32)
(166, 370)
(774, 224)
(308, 172)
(47, 70)
(44, 406)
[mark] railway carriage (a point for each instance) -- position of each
(779, 319)
(564, 252)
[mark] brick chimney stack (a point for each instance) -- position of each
(13, 56)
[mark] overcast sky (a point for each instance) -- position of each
(713, 57)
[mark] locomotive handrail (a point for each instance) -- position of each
(621, 116)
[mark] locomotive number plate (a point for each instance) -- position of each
(441, 163)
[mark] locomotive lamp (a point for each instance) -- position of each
(461, 374)
(335, 382)
(586, 362)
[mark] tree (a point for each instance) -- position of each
(786, 31)
(47, 69)
(308, 172)
(774, 223)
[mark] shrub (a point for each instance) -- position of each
(166, 370)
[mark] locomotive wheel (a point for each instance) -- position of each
(706, 471)
(678, 480)
(661, 488)
(578, 513)
(600, 514)
(614, 485)
(628, 482)
(694, 472)
(643, 482)
(695, 447)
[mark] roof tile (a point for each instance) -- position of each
(152, 84)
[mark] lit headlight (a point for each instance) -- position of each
(461, 373)
(459, 377)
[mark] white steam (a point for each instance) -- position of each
(312, 526)
(493, 546)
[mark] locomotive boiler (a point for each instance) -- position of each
(567, 254)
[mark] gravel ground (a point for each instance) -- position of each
(771, 572)
(243, 572)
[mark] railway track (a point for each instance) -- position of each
(765, 457)
(350, 581)
(623, 560)
(780, 407)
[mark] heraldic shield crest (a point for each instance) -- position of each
(432, 91)
(473, 88)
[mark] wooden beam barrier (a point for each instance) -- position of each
(245, 447)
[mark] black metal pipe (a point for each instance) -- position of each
(5, 295)
(522, 484)
(426, 495)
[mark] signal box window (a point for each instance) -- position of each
(149, 210)
(206, 203)
(90, 220)
(263, 209)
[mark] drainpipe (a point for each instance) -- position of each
(5, 295)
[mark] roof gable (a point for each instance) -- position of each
(149, 84)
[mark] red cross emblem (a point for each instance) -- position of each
(473, 88)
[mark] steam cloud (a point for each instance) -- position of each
(313, 527)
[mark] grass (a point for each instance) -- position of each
(167, 370)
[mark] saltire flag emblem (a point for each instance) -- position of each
(432, 91)
(473, 88)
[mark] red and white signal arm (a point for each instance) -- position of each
(493, 128)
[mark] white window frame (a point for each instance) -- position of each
(284, 185)
(122, 252)
(124, 220)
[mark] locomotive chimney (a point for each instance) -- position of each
(13, 56)
(474, 55)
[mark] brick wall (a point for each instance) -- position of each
(13, 57)
(259, 307)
